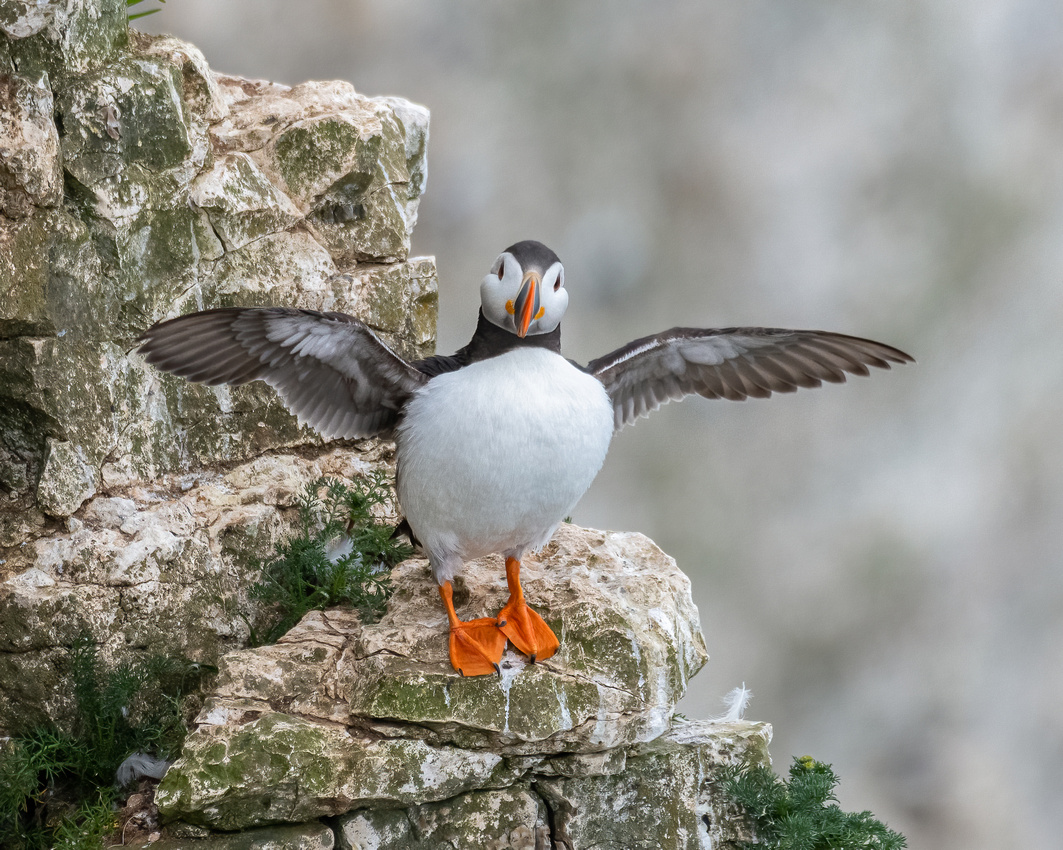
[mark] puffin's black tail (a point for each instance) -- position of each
(404, 528)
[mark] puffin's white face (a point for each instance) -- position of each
(524, 301)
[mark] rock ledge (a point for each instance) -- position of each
(370, 722)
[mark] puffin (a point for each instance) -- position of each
(496, 443)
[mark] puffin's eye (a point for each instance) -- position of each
(557, 283)
(501, 269)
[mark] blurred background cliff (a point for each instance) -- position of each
(881, 563)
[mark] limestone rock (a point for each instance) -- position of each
(281, 768)
(163, 566)
(241, 202)
(665, 799)
(63, 37)
(353, 165)
(30, 173)
(514, 817)
(68, 479)
(56, 287)
(184, 190)
(630, 639)
(201, 91)
(127, 139)
(21, 18)
(370, 723)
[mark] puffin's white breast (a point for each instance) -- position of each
(492, 456)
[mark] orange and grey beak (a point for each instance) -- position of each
(526, 306)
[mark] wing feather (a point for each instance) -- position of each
(731, 363)
(329, 369)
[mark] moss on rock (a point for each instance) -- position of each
(62, 39)
(310, 836)
(280, 768)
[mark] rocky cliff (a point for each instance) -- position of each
(136, 184)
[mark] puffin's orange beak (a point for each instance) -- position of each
(526, 306)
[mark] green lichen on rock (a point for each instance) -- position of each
(310, 836)
(151, 221)
(165, 572)
(357, 174)
(316, 155)
(280, 768)
(407, 794)
(67, 480)
(576, 749)
(241, 203)
(664, 797)
(55, 272)
(127, 137)
(24, 258)
(513, 817)
(63, 39)
(398, 673)
(532, 706)
(154, 262)
(30, 172)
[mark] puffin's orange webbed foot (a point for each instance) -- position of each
(526, 630)
(476, 646)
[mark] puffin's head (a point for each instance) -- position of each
(525, 290)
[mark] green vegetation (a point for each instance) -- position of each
(341, 555)
(133, 16)
(795, 815)
(57, 788)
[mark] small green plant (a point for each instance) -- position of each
(340, 555)
(57, 786)
(92, 820)
(796, 814)
(134, 15)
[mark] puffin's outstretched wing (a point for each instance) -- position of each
(329, 369)
(731, 363)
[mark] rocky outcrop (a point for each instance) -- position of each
(370, 722)
(135, 185)
(143, 186)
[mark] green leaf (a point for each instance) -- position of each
(133, 17)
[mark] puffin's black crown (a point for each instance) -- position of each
(531, 254)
